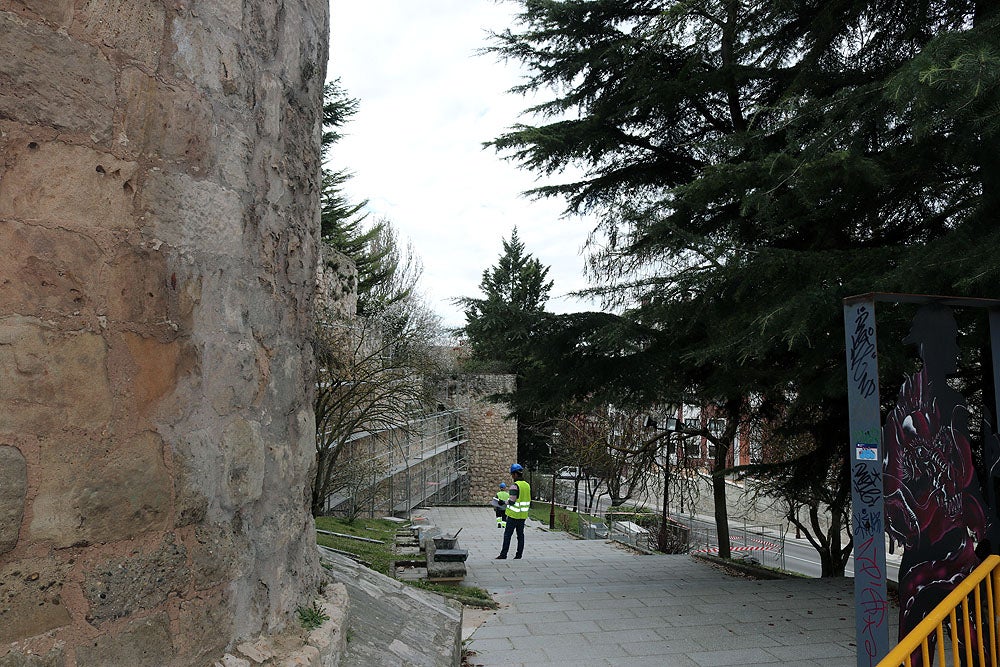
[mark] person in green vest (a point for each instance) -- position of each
(517, 511)
(500, 505)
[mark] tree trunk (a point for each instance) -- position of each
(731, 412)
(721, 511)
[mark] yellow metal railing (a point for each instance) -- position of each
(964, 613)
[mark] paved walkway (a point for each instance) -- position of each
(574, 602)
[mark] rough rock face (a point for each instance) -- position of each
(159, 183)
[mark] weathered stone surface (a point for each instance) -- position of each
(492, 436)
(50, 380)
(144, 643)
(230, 660)
(153, 372)
(207, 54)
(13, 488)
(46, 272)
(159, 202)
(30, 598)
(53, 658)
(204, 629)
(122, 587)
(243, 452)
(100, 491)
(77, 95)
(175, 125)
(134, 27)
(62, 184)
(337, 284)
(57, 12)
(218, 552)
(193, 216)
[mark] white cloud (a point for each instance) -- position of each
(427, 104)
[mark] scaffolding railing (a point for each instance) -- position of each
(416, 462)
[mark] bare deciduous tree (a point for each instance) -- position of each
(373, 375)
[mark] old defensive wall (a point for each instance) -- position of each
(158, 229)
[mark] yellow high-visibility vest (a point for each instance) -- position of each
(519, 508)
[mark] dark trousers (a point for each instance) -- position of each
(513, 525)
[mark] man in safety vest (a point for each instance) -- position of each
(500, 505)
(517, 511)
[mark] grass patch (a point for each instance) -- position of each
(312, 617)
(380, 556)
(566, 520)
(467, 595)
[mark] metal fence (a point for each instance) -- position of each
(764, 544)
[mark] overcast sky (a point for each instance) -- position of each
(427, 104)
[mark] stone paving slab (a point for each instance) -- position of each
(576, 602)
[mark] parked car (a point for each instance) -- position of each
(569, 472)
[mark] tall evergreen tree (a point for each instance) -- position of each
(499, 326)
(752, 163)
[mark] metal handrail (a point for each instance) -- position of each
(987, 576)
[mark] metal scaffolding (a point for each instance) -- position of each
(422, 461)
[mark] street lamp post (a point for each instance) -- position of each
(552, 498)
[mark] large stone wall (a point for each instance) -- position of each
(492, 434)
(159, 175)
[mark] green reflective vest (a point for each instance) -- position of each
(503, 496)
(519, 508)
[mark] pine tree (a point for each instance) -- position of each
(499, 326)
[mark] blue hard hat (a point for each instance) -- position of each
(503, 485)
(516, 467)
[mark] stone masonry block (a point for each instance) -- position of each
(56, 12)
(50, 380)
(101, 491)
(193, 216)
(243, 451)
(133, 27)
(30, 598)
(153, 371)
(16, 658)
(122, 587)
(47, 78)
(174, 124)
(144, 643)
(206, 53)
(205, 624)
(47, 272)
(13, 487)
(68, 185)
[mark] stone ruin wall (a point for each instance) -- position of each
(336, 285)
(159, 176)
(492, 435)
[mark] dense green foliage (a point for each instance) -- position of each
(752, 163)
(499, 326)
